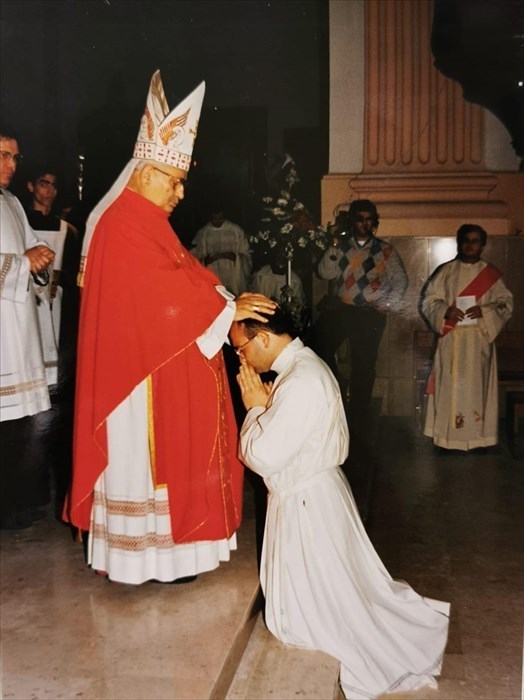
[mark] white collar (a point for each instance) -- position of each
(286, 356)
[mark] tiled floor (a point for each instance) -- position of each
(70, 634)
(450, 524)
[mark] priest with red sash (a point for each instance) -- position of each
(467, 304)
(156, 480)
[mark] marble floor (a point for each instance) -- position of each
(448, 523)
(451, 524)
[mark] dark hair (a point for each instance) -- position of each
(7, 133)
(36, 170)
(279, 323)
(471, 228)
(360, 205)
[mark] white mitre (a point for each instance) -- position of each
(168, 137)
(165, 137)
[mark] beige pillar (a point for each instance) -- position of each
(423, 159)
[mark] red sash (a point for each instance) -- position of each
(482, 283)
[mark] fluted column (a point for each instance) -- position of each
(416, 119)
(422, 145)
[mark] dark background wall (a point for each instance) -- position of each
(75, 75)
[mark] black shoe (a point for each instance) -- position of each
(185, 579)
(182, 579)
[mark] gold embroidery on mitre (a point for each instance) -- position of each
(168, 130)
(193, 132)
(150, 124)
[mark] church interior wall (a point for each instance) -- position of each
(394, 385)
(395, 381)
(402, 135)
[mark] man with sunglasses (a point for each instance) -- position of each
(156, 481)
(23, 387)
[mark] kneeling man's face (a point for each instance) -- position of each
(252, 350)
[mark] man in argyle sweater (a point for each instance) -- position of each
(370, 282)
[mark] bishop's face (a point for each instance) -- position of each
(165, 186)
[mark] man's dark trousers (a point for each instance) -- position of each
(363, 326)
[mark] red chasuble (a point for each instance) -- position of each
(145, 302)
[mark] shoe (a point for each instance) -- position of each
(185, 579)
(182, 579)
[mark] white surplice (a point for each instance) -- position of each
(228, 238)
(267, 282)
(130, 533)
(50, 310)
(324, 584)
(462, 413)
(23, 385)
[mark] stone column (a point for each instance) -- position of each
(423, 149)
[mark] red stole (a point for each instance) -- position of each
(482, 283)
(145, 301)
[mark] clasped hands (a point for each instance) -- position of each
(220, 256)
(254, 391)
(40, 257)
(456, 315)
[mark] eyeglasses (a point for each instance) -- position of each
(7, 155)
(47, 184)
(240, 349)
(175, 181)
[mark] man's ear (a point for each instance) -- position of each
(145, 174)
(265, 337)
(30, 187)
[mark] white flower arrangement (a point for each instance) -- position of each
(285, 222)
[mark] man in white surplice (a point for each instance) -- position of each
(223, 246)
(23, 388)
(324, 584)
(466, 302)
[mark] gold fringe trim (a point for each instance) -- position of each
(22, 386)
(131, 509)
(131, 543)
